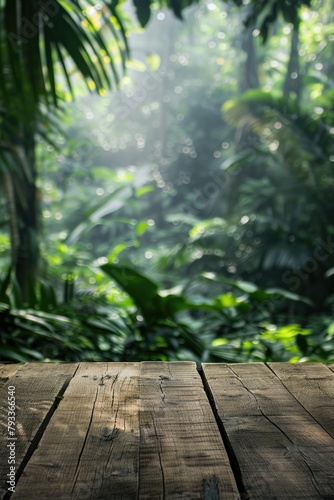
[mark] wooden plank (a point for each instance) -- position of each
(7, 371)
(181, 450)
(312, 384)
(37, 386)
(90, 447)
(281, 451)
(331, 366)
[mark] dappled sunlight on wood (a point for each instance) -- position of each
(150, 429)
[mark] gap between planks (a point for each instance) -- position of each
(279, 421)
(38, 389)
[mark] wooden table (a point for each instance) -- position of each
(156, 430)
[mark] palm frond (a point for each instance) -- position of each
(37, 37)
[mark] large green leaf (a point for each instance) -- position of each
(154, 304)
(142, 290)
(256, 293)
(143, 11)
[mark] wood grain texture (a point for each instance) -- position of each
(181, 450)
(90, 448)
(7, 371)
(147, 431)
(312, 384)
(127, 431)
(36, 389)
(282, 452)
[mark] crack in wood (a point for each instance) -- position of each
(163, 395)
(321, 389)
(160, 461)
(294, 397)
(301, 455)
(110, 436)
(77, 469)
(105, 377)
(259, 407)
(313, 478)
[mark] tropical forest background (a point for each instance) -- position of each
(167, 180)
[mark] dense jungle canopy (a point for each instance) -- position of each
(166, 180)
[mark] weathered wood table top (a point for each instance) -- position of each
(156, 430)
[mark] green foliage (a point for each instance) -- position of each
(182, 220)
(160, 324)
(38, 38)
(264, 13)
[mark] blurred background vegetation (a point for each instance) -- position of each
(167, 183)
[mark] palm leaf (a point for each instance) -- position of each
(50, 65)
(65, 71)
(65, 36)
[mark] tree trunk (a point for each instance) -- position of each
(23, 210)
(249, 78)
(292, 84)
